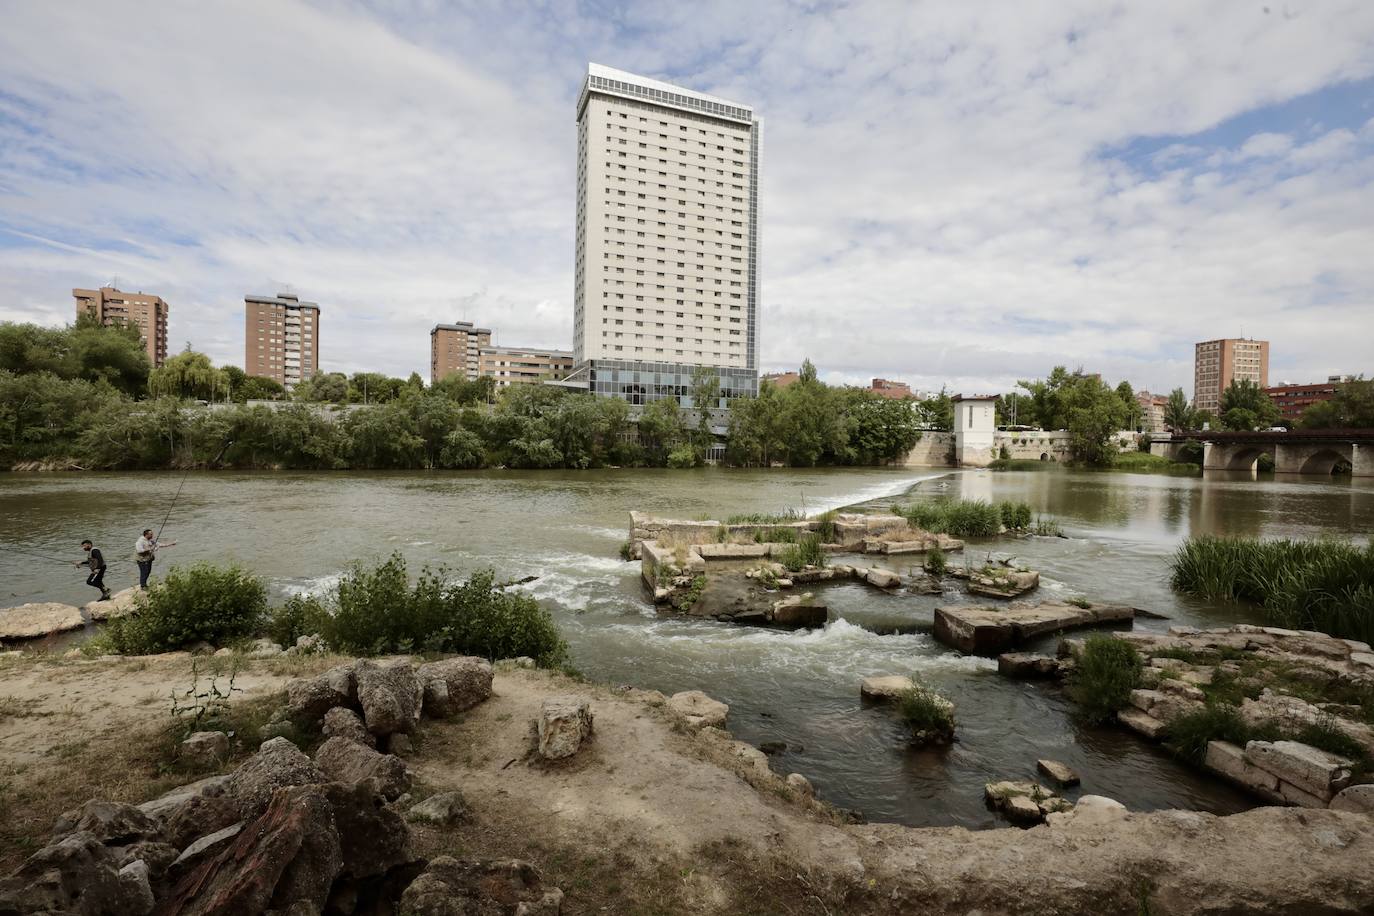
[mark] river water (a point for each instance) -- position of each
(300, 530)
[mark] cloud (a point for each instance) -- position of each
(951, 192)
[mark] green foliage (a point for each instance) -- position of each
(324, 387)
(1015, 516)
(766, 518)
(1108, 670)
(1191, 452)
(1144, 462)
(925, 712)
(1352, 407)
(776, 536)
(805, 552)
(961, 518)
(202, 603)
(1015, 409)
(1178, 413)
(825, 525)
(936, 561)
(85, 351)
(297, 616)
(1245, 406)
(1092, 412)
(189, 375)
(1046, 527)
(1188, 734)
(1021, 464)
(1325, 585)
(660, 430)
(684, 456)
(626, 551)
(377, 611)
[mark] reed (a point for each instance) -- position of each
(1108, 670)
(806, 552)
(1325, 585)
(967, 518)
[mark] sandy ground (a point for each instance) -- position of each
(652, 818)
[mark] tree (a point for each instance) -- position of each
(877, 429)
(258, 388)
(1015, 409)
(1178, 413)
(458, 389)
(1090, 411)
(85, 350)
(1245, 406)
(1126, 393)
(705, 396)
(660, 430)
(1352, 407)
(188, 375)
(937, 412)
(329, 387)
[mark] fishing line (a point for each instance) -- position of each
(177, 495)
(30, 553)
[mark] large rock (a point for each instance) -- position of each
(1027, 665)
(75, 875)
(341, 722)
(373, 836)
(699, 710)
(161, 807)
(107, 821)
(204, 749)
(1061, 773)
(441, 808)
(1228, 761)
(450, 887)
(564, 723)
(30, 621)
(287, 857)
(454, 684)
(885, 687)
(1359, 799)
(882, 578)
(136, 880)
(277, 764)
(345, 760)
(1310, 770)
(992, 630)
(1142, 723)
(309, 699)
(120, 603)
(390, 696)
(198, 816)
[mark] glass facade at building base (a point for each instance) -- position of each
(642, 382)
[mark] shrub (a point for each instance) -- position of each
(378, 611)
(299, 615)
(1108, 670)
(806, 552)
(962, 518)
(627, 551)
(936, 562)
(777, 536)
(929, 715)
(684, 456)
(1046, 528)
(1189, 733)
(1015, 516)
(825, 526)
(202, 603)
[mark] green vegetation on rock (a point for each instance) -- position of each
(1108, 670)
(807, 551)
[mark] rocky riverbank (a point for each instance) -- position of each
(545, 796)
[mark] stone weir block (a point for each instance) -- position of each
(992, 630)
(852, 530)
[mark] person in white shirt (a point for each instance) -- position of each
(146, 547)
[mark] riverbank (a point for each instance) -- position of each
(652, 816)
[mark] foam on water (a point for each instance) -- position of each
(317, 586)
(876, 491)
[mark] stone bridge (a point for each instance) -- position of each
(1307, 451)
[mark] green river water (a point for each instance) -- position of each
(300, 530)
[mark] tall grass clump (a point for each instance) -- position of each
(1108, 670)
(765, 518)
(776, 536)
(929, 715)
(806, 552)
(966, 518)
(202, 603)
(1325, 585)
(377, 611)
(936, 561)
(1188, 734)
(825, 525)
(1015, 516)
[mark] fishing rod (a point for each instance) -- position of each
(30, 553)
(177, 495)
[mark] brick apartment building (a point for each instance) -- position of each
(1292, 400)
(890, 389)
(513, 365)
(1151, 411)
(1217, 362)
(453, 348)
(281, 338)
(144, 311)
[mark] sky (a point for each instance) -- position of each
(952, 194)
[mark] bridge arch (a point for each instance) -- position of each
(1324, 461)
(1246, 458)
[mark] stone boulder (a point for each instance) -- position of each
(699, 710)
(441, 808)
(564, 723)
(161, 807)
(107, 821)
(204, 749)
(345, 760)
(157, 856)
(277, 764)
(454, 684)
(342, 722)
(373, 836)
(1027, 665)
(136, 880)
(30, 621)
(882, 578)
(198, 816)
(390, 696)
(801, 785)
(1316, 775)
(1061, 773)
(75, 875)
(1359, 799)
(121, 603)
(309, 699)
(449, 887)
(885, 687)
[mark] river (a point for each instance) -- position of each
(300, 530)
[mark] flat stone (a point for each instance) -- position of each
(882, 578)
(887, 687)
(1300, 798)
(1145, 699)
(1228, 761)
(992, 630)
(1142, 723)
(1061, 773)
(121, 603)
(1359, 799)
(206, 843)
(1315, 772)
(699, 710)
(1020, 809)
(1027, 665)
(30, 621)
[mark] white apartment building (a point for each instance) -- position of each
(281, 338)
(667, 239)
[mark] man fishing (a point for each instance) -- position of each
(146, 548)
(95, 561)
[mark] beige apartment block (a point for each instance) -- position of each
(144, 311)
(666, 239)
(281, 338)
(513, 365)
(1217, 362)
(453, 349)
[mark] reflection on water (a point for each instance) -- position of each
(299, 530)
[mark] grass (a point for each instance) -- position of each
(1108, 670)
(764, 518)
(928, 715)
(806, 552)
(1022, 464)
(1325, 585)
(1046, 527)
(1144, 462)
(936, 561)
(1188, 735)
(961, 518)
(776, 536)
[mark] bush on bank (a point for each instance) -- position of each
(202, 603)
(1108, 670)
(1325, 585)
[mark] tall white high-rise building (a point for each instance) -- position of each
(667, 239)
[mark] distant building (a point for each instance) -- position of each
(1217, 362)
(281, 337)
(781, 379)
(1292, 400)
(1151, 411)
(666, 240)
(144, 311)
(513, 365)
(453, 348)
(889, 389)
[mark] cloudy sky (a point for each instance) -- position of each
(952, 193)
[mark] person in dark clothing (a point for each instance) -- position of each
(95, 561)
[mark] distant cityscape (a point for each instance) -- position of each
(665, 280)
